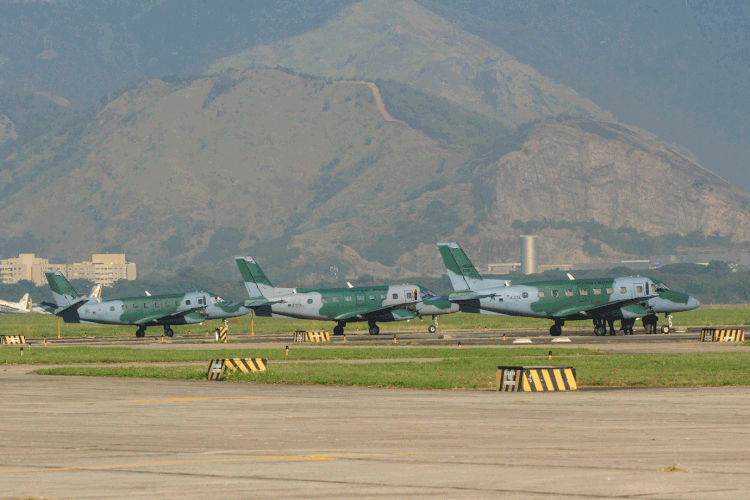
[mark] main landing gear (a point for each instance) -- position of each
(141, 332)
(626, 326)
(374, 329)
(433, 328)
(556, 329)
(600, 327)
(339, 329)
(168, 331)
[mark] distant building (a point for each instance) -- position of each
(103, 269)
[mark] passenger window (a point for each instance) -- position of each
(360, 298)
(124, 307)
(335, 299)
(309, 301)
(111, 308)
(540, 294)
(187, 302)
(408, 295)
(568, 293)
(372, 297)
(323, 300)
(583, 291)
(200, 302)
(177, 303)
(639, 289)
(145, 305)
(348, 298)
(157, 305)
(525, 295)
(597, 291)
(383, 296)
(623, 289)
(395, 295)
(610, 291)
(555, 293)
(135, 306)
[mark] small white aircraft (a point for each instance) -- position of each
(20, 307)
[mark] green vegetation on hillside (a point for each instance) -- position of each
(444, 121)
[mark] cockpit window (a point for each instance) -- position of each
(426, 293)
(660, 287)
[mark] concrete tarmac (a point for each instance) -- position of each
(88, 437)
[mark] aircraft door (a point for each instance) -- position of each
(409, 296)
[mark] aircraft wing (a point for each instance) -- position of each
(364, 311)
(593, 311)
(164, 317)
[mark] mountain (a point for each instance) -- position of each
(400, 40)
(310, 175)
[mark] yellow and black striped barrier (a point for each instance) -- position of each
(303, 336)
(221, 334)
(535, 378)
(217, 367)
(12, 339)
(717, 335)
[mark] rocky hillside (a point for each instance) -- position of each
(307, 175)
(402, 41)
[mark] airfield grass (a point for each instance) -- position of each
(472, 368)
(41, 325)
(83, 355)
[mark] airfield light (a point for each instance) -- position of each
(21, 351)
(287, 350)
(459, 344)
(550, 355)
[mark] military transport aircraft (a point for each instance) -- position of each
(154, 310)
(344, 305)
(601, 300)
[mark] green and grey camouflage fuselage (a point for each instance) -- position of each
(373, 304)
(601, 300)
(152, 310)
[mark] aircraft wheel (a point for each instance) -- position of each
(600, 330)
(374, 330)
(140, 333)
(665, 329)
(338, 330)
(169, 332)
(555, 330)
(431, 329)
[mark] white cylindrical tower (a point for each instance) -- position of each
(528, 254)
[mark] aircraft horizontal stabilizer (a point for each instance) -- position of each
(261, 302)
(460, 296)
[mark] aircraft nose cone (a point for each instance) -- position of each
(693, 303)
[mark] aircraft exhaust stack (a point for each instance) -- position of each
(529, 263)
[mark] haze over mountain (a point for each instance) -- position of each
(402, 41)
(310, 173)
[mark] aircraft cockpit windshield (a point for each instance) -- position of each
(426, 294)
(660, 287)
(215, 299)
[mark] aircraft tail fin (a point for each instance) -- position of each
(96, 292)
(24, 302)
(62, 290)
(462, 273)
(256, 282)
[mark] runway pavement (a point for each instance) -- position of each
(79, 437)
